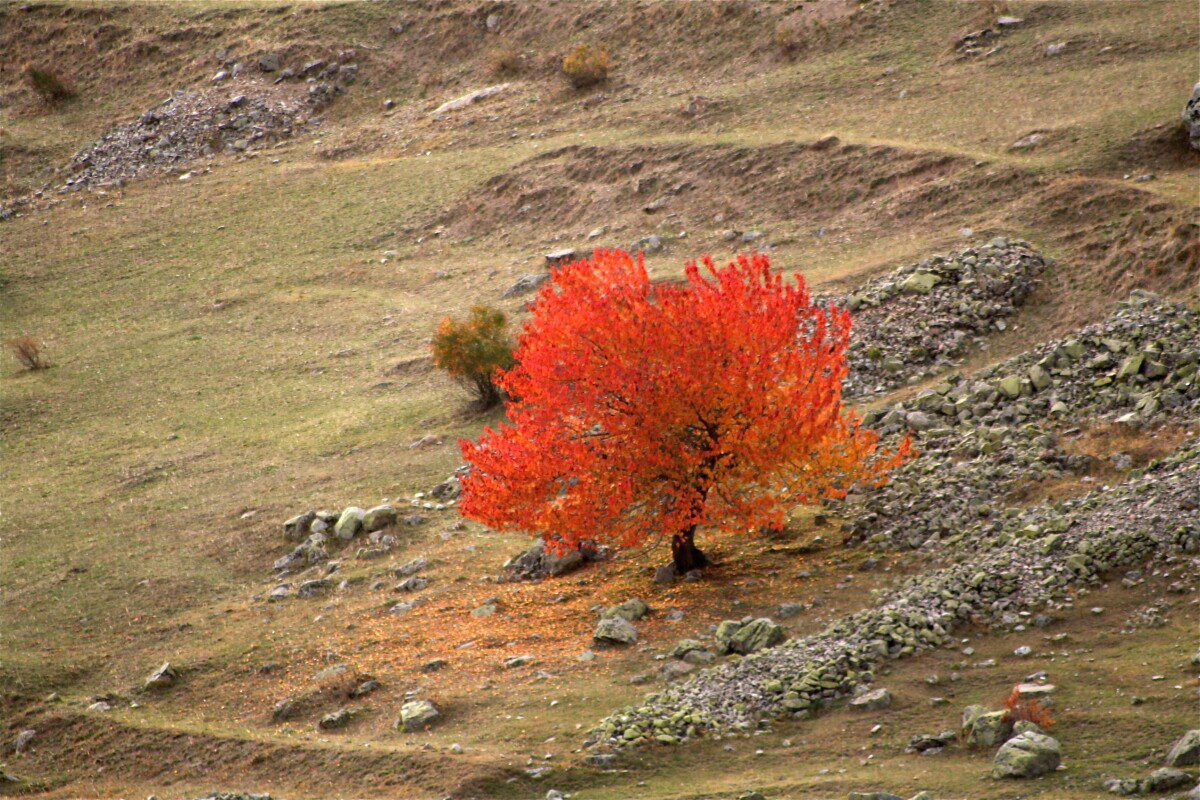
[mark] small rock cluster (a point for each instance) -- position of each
(189, 126)
(1152, 515)
(979, 436)
(539, 561)
(917, 320)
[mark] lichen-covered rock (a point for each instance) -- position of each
(417, 714)
(615, 630)
(349, 524)
(1186, 751)
(983, 728)
(749, 635)
(336, 719)
(296, 528)
(1027, 756)
(632, 610)
(378, 518)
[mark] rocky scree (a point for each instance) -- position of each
(978, 437)
(189, 126)
(920, 319)
(1154, 515)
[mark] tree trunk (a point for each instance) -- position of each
(685, 554)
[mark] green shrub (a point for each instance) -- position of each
(473, 350)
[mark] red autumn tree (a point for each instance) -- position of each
(646, 409)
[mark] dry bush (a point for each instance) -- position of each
(47, 85)
(1017, 709)
(789, 39)
(27, 352)
(586, 66)
(505, 62)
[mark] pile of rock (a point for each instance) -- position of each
(318, 531)
(540, 562)
(1152, 515)
(979, 436)
(189, 126)
(916, 321)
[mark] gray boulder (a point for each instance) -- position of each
(615, 630)
(632, 610)
(336, 719)
(1186, 751)
(983, 728)
(349, 524)
(162, 678)
(417, 714)
(526, 284)
(296, 528)
(1191, 117)
(1027, 756)
(378, 518)
(1164, 779)
(872, 700)
(748, 635)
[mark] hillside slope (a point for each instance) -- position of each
(236, 291)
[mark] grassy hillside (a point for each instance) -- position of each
(235, 348)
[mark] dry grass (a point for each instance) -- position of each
(505, 62)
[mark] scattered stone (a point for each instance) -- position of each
(1028, 755)
(189, 126)
(540, 562)
(748, 635)
(297, 528)
(336, 719)
(1186, 751)
(631, 610)
(162, 678)
(417, 714)
(873, 700)
(378, 518)
(615, 630)
(922, 317)
(21, 743)
(526, 284)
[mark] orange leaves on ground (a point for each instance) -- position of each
(643, 409)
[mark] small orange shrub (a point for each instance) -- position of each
(27, 351)
(473, 350)
(1016, 709)
(586, 66)
(47, 85)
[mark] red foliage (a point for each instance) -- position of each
(648, 409)
(1017, 708)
